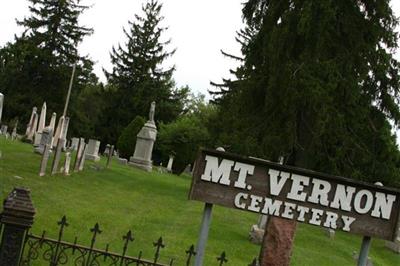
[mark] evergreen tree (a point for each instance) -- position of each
(318, 84)
(138, 76)
(37, 66)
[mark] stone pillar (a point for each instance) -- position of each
(52, 126)
(67, 163)
(83, 157)
(45, 159)
(41, 125)
(1, 105)
(57, 156)
(74, 144)
(92, 150)
(109, 157)
(58, 133)
(170, 162)
(17, 217)
(28, 127)
(79, 154)
(144, 143)
(65, 130)
(33, 127)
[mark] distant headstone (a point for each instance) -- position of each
(45, 158)
(47, 135)
(330, 233)
(83, 157)
(1, 104)
(109, 157)
(74, 144)
(92, 150)
(65, 131)
(107, 150)
(144, 143)
(170, 162)
(58, 132)
(28, 127)
(14, 134)
(57, 157)
(123, 161)
(79, 154)
(4, 129)
(52, 125)
(188, 169)
(33, 127)
(67, 163)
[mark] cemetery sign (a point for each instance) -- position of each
(293, 193)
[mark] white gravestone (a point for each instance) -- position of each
(41, 125)
(57, 157)
(170, 162)
(144, 143)
(53, 126)
(92, 151)
(28, 127)
(65, 131)
(3, 129)
(79, 154)
(45, 158)
(47, 135)
(33, 127)
(74, 144)
(82, 161)
(67, 163)
(58, 132)
(1, 104)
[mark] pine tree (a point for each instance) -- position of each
(53, 26)
(37, 66)
(319, 85)
(138, 76)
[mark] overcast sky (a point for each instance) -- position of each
(199, 29)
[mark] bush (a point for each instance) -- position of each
(127, 140)
(183, 138)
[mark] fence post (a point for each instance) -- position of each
(16, 218)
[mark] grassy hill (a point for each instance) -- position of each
(154, 204)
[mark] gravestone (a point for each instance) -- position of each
(47, 135)
(28, 127)
(65, 131)
(45, 159)
(67, 163)
(1, 104)
(4, 129)
(74, 144)
(52, 125)
(79, 154)
(33, 127)
(83, 157)
(57, 157)
(41, 125)
(58, 132)
(170, 162)
(144, 143)
(109, 157)
(92, 150)
(107, 150)
(123, 161)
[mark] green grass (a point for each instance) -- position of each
(123, 198)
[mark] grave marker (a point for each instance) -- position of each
(45, 159)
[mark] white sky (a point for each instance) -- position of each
(199, 29)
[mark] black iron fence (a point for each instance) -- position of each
(19, 247)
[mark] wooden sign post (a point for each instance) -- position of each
(296, 194)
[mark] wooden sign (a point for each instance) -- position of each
(298, 194)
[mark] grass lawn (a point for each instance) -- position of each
(123, 198)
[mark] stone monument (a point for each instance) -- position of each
(170, 162)
(74, 144)
(58, 133)
(144, 143)
(92, 150)
(28, 127)
(33, 127)
(1, 104)
(47, 135)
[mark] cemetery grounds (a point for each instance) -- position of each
(155, 204)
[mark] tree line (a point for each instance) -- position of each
(317, 85)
